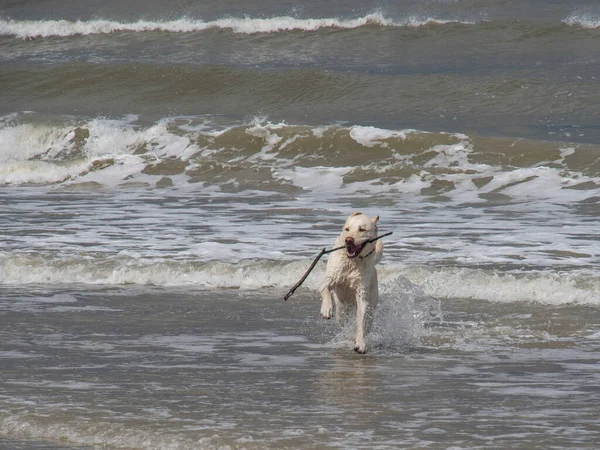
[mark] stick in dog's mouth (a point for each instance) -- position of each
(354, 250)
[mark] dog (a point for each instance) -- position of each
(351, 277)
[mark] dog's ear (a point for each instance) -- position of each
(375, 220)
(357, 213)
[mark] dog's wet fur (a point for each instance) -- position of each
(351, 276)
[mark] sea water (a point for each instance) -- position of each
(168, 171)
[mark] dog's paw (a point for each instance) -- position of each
(326, 313)
(360, 347)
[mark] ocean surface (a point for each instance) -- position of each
(169, 169)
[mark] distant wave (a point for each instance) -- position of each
(29, 29)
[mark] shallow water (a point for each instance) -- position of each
(174, 368)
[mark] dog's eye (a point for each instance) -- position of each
(362, 229)
(347, 228)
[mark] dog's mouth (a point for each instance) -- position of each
(353, 250)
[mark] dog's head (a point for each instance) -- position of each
(358, 230)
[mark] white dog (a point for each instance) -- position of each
(351, 275)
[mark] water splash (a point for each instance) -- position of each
(403, 316)
(401, 319)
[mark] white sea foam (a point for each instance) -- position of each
(372, 136)
(27, 29)
(37, 172)
(98, 433)
(322, 179)
(33, 153)
(583, 20)
(548, 288)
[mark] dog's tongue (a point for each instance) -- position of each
(353, 250)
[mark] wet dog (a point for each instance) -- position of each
(351, 277)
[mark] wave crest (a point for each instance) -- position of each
(29, 29)
(263, 156)
(549, 288)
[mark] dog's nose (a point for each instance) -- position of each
(349, 241)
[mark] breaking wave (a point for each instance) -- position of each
(29, 29)
(264, 156)
(548, 288)
(34, 29)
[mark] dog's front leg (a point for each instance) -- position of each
(327, 303)
(361, 311)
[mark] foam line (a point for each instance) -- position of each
(28, 29)
(549, 288)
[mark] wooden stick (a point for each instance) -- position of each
(314, 263)
(305, 276)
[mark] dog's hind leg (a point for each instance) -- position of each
(372, 305)
(342, 310)
(361, 311)
(327, 303)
